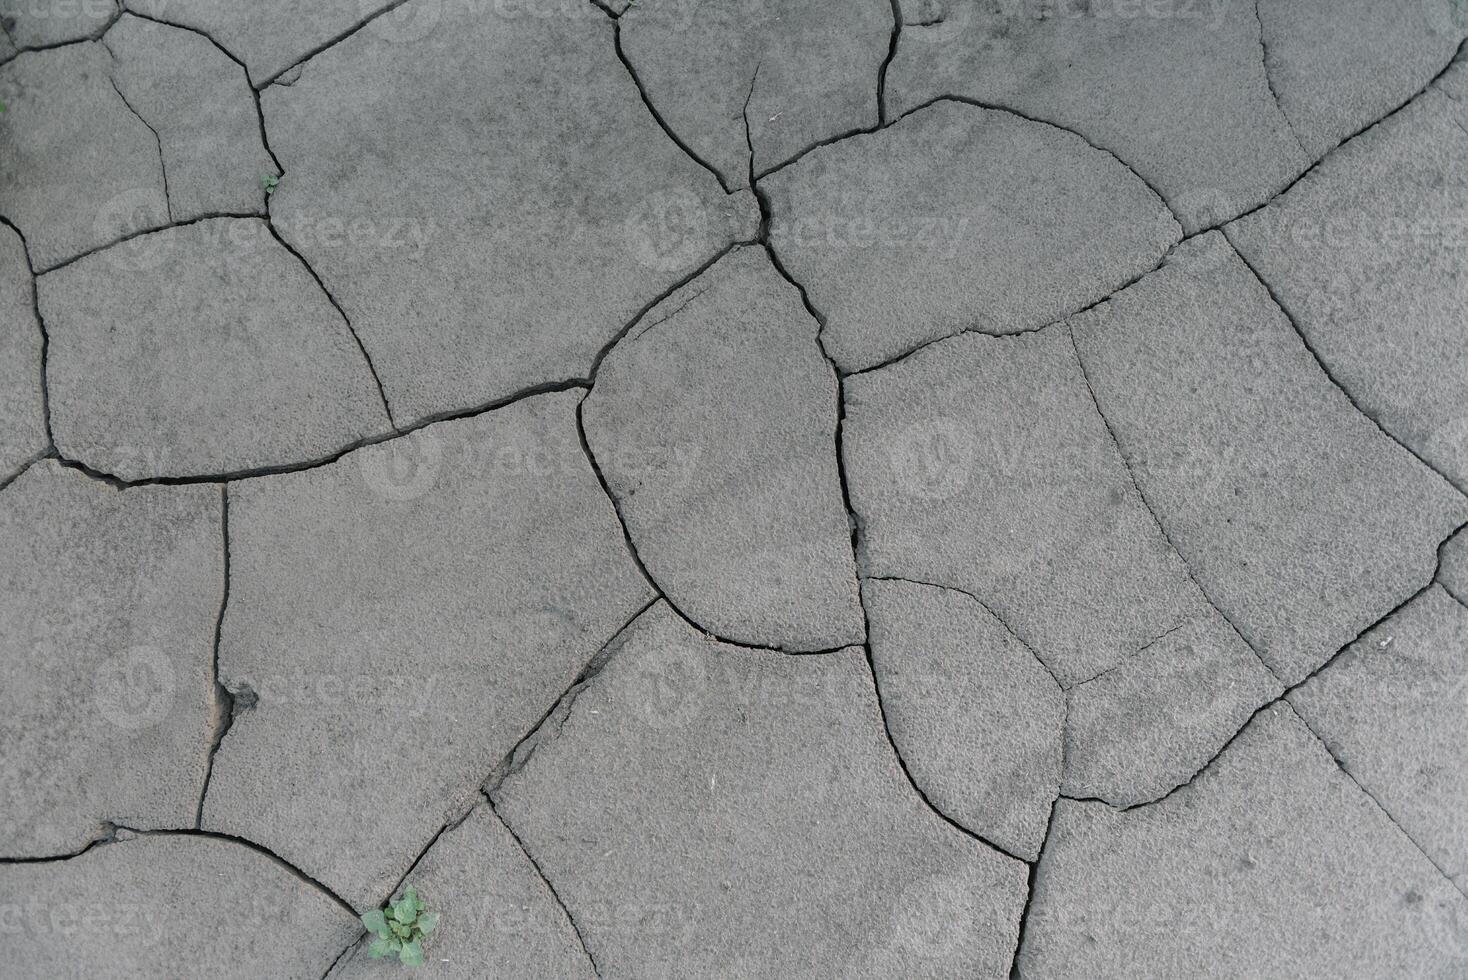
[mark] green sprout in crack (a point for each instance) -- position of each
(270, 182)
(400, 928)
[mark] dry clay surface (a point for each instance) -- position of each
(928, 488)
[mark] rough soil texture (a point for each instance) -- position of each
(898, 488)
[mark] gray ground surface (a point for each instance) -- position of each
(939, 488)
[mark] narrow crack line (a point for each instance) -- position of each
(1024, 914)
(1269, 83)
(157, 140)
(1383, 618)
(1308, 171)
(1284, 695)
(657, 116)
(998, 107)
(332, 42)
(1060, 324)
(1376, 802)
(244, 69)
(572, 384)
(94, 35)
(887, 63)
(516, 759)
(1156, 518)
(110, 836)
(454, 823)
(651, 305)
(224, 705)
(45, 342)
(642, 568)
(258, 848)
(20, 470)
(1029, 647)
(1325, 369)
(902, 762)
(545, 879)
(340, 956)
(748, 136)
(331, 298)
(1134, 655)
(139, 233)
(106, 834)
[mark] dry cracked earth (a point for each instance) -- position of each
(735, 488)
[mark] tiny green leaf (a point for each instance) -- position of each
(375, 922)
(412, 954)
(406, 910)
(427, 922)
(379, 948)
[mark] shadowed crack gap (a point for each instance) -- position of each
(1034, 875)
(1151, 511)
(244, 70)
(1325, 369)
(572, 384)
(657, 116)
(224, 701)
(887, 63)
(45, 347)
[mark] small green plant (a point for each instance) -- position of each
(400, 928)
(270, 182)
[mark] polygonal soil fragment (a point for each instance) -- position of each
(806, 72)
(206, 348)
(1392, 709)
(270, 36)
(1176, 89)
(1452, 570)
(38, 23)
(714, 423)
(489, 230)
(22, 404)
(199, 103)
(163, 905)
(976, 717)
(958, 218)
(981, 464)
(705, 809)
(1340, 65)
(81, 170)
(1142, 727)
(1304, 523)
(467, 571)
(1367, 256)
(498, 917)
(109, 600)
(1271, 863)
